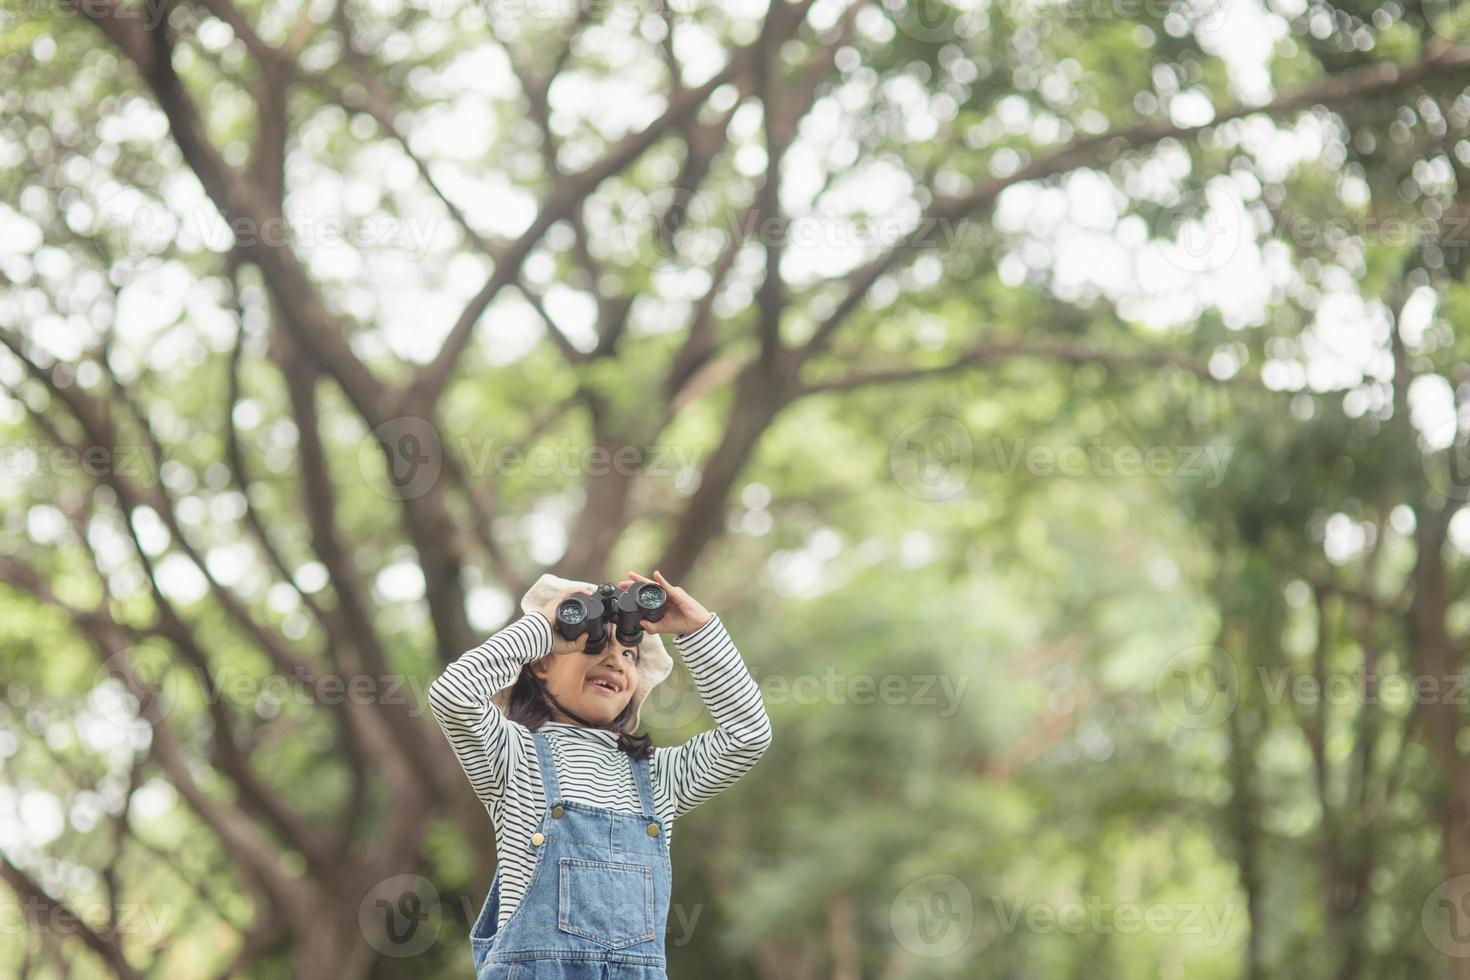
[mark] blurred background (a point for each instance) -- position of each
(1061, 403)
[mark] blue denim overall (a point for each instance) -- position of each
(597, 905)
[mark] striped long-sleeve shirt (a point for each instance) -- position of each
(499, 756)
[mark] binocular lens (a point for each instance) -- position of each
(621, 609)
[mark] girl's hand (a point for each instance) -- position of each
(683, 614)
(560, 644)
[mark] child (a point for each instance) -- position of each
(583, 809)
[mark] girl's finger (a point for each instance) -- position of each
(669, 587)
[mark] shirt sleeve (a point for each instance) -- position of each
(712, 761)
(483, 738)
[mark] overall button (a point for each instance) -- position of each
(537, 838)
(557, 811)
(653, 830)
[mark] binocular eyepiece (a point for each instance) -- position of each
(622, 609)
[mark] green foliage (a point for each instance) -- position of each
(972, 731)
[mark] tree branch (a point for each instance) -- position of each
(1441, 59)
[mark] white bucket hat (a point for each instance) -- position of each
(654, 662)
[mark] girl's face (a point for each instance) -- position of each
(597, 687)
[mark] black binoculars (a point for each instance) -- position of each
(623, 609)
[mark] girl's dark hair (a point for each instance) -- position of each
(529, 706)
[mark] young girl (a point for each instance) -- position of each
(583, 809)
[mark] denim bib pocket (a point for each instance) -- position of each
(608, 902)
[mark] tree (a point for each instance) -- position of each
(683, 208)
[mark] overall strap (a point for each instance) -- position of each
(645, 791)
(549, 786)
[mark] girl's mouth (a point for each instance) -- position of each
(606, 687)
